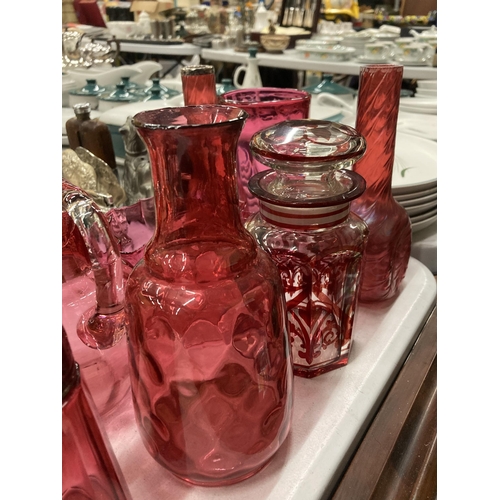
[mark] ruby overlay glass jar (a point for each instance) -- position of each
(305, 224)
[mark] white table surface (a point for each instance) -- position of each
(424, 247)
(185, 49)
(331, 412)
(291, 59)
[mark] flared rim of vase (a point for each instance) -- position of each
(208, 115)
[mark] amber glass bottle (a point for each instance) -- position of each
(91, 134)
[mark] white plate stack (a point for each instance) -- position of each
(424, 101)
(426, 89)
(414, 179)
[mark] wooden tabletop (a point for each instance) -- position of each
(397, 459)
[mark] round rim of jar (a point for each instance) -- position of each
(197, 69)
(357, 188)
(182, 117)
(268, 151)
(234, 97)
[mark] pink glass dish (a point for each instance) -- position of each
(265, 107)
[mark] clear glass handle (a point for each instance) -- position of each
(102, 326)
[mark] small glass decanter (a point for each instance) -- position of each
(306, 226)
(389, 244)
(211, 372)
(89, 467)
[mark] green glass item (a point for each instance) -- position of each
(327, 85)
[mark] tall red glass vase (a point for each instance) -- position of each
(389, 242)
(211, 372)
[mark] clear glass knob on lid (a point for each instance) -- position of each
(306, 225)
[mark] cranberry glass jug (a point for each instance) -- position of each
(306, 226)
(210, 364)
(93, 297)
(389, 243)
(265, 107)
(89, 467)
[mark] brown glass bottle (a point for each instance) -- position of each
(91, 134)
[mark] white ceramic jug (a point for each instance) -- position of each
(252, 75)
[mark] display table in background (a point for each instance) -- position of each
(291, 59)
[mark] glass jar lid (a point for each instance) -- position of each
(299, 192)
(308, 145)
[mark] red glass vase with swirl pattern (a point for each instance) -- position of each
(389, 244)
(210, 365)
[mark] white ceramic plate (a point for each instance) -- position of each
(426, 92)
(421, 200)
(415, 195)
(418, 226)
(415, 165)
(423, 62)
(426, 106)
(427, 84)
(338, 53)
(421, 209)
(426, 215)
(423, 125)
(370, 60)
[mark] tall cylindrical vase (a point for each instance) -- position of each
(389, 242)
(211, 371)
(265, 107)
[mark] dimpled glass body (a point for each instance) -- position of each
(320, 272)
(389, 243)
(211, 371)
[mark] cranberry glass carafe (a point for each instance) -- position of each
(389, 244)
(211, 371)
(265, 106)
(89, 467)
(305, 225)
